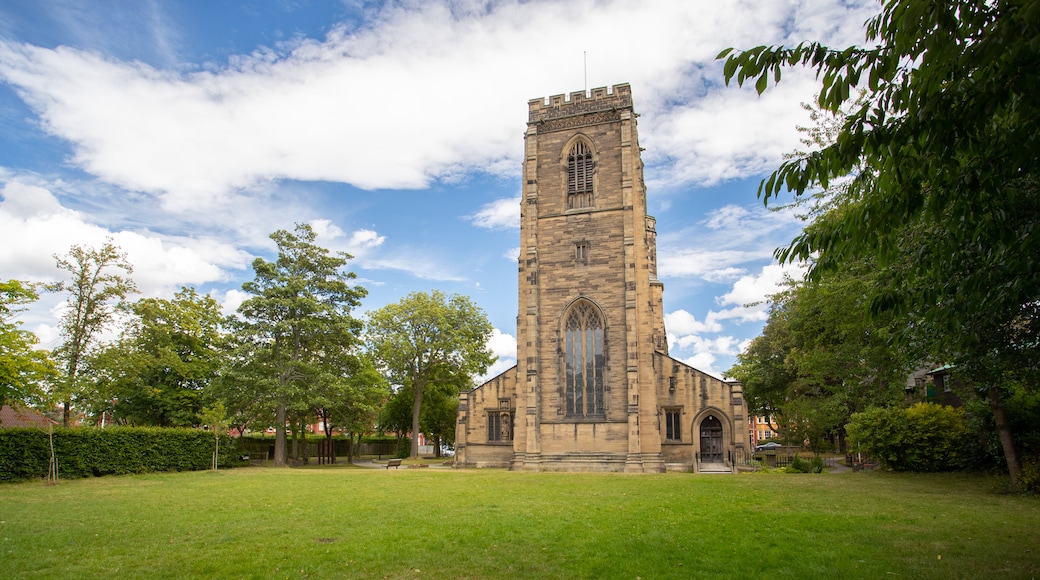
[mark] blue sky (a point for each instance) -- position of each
(189, 130)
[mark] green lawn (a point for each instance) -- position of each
(439, 523)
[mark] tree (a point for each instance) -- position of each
(429, 338)
(396, 415)
(215, 418)
(351, 401)
(99, 284)
(950, 203)
(160, 370)
(441, 409)
(246, 384)
(23, 368)
(821, 358)
(299, 320)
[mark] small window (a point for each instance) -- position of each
(581, 251)
(946, 383)
(673, 424)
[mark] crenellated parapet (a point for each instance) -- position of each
(580, 108)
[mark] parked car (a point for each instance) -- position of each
(768, 446)
(447, 451)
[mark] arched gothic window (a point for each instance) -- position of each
(583, 358)
(579, 176)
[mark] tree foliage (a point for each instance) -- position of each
(23, 368)
(351, 400)
(924, 437)
(297, 323)
(821, 358)
(947, 200)
(99, 283)
(159, 372)
(427, 340)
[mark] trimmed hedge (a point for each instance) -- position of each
(89, 452)
(924, 437)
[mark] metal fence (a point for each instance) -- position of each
(783, 460)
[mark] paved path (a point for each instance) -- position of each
(381, 464)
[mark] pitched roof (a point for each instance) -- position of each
(19, 416)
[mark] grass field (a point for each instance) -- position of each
(337, 522)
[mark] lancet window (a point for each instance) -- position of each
(583, 359)
(579, 176)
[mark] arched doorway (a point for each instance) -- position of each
(711, 440)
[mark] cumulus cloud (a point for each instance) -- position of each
(339, 108)
(32, 215)
(503, 346)
(500, 214)
(753, 289)
(682, 322)
(689, 339)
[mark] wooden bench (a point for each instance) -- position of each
(395, 463)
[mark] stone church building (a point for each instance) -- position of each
(594, 388)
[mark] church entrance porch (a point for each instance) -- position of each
(711, 440)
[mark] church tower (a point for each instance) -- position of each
(593, 388)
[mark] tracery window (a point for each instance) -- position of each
(579, 176)
(583, 358)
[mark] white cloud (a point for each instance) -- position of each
(682, 322)
(756, 289)
(418, 263)
(396, 103)
(499, 214)
(703, 361)
(730, 241)
(231, 300)
(31, 215)
(503, 346)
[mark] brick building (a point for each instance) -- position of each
(594, 388)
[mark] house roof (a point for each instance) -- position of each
(19, 416)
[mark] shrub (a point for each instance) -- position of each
(404, 448)
(87, 452)
(798, 465)
(1029, 479)
(924, 437)
(816, 466)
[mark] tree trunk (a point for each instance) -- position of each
(279, 436)
(415, 421)
(66, 414)
(996, 403)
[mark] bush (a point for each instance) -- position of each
(87, 452)
(1029, 479)
(404, 448)
(924, 437)
(799, 465)
(817, 465)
